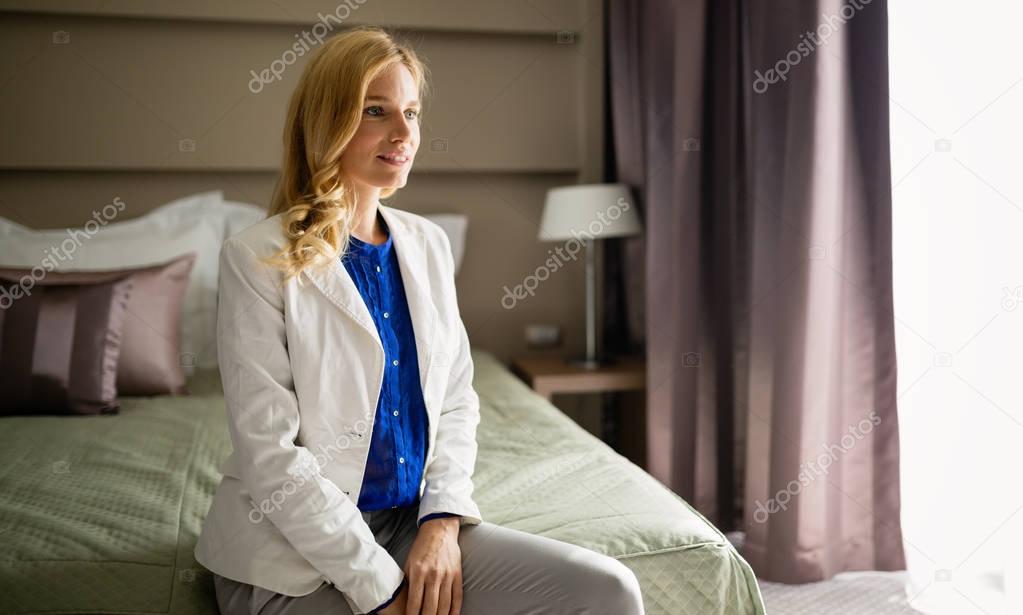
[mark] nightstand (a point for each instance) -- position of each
(624, 418)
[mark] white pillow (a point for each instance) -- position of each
(165, 218)
(454, 226)
(191, 224)
(171, 217)
(239, 216)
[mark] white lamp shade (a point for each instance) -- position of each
(589, 211)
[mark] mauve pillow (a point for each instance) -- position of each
(59, 347)
(150, 360)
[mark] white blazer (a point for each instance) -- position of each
(302, 369)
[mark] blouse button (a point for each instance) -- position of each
(395, 413)
(394, 362)
(378, 268)
(401, 460)
(387, 315)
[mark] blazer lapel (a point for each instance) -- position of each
(338, 286)
(412, 259)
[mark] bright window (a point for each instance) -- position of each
(957, 176)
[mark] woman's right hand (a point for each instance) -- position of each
(398, 606)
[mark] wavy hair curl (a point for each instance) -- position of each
(316, 197)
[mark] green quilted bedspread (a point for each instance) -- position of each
(100, 514)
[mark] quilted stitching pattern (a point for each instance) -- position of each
(101, 515)
(695, 581)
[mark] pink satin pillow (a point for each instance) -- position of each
(149, 361)
(59, 347)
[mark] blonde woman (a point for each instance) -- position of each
(350, 402)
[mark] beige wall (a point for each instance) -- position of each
(114, 109)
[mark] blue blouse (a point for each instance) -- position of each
(397, 452)
(398, 443)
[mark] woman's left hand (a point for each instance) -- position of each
(434, 569)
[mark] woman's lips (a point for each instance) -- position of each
(393, 163)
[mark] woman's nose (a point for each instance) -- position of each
(401, 130)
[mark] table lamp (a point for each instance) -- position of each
(585, 213)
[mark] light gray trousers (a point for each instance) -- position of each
(504, 572)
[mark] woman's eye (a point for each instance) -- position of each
(377, 110)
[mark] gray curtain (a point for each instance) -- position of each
(762, 287)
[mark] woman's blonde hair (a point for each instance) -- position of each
(317, 199)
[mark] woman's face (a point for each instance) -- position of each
(381, 152)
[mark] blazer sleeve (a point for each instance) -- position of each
(449, 476)
(283, 478)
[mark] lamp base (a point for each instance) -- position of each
(585, 363)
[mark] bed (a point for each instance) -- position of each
(100, 514)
